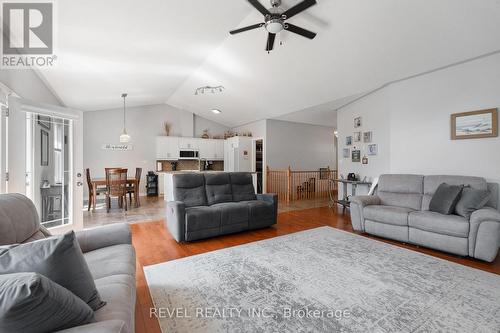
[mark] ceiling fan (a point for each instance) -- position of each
(275, 20)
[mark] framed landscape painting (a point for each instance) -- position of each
(474, 125)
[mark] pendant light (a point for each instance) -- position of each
(124, 137)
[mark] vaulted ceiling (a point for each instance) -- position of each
(161, 51)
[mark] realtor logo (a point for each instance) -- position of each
(28, 35)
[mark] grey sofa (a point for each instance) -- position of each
(211, 204)
(109, 254)
(400, 211)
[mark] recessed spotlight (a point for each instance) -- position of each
(216, 111)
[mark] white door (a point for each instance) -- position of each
(45, 161)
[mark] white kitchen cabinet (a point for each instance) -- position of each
(189, 143)
(219, 150)
(167, 147)
(161, 183)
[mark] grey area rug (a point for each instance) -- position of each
(322, 280)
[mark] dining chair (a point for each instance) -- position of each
(116, 186)
(134, 188)
(92, 195)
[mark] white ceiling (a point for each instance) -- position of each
(161, 51)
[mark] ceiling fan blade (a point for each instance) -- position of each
(250, 27)
(259, 7)
(270, 42)
(300, 31)
(300, 7)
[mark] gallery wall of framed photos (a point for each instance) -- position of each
(359, 147)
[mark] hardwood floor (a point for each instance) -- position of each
(154, 245)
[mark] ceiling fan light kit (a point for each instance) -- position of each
(275, 20)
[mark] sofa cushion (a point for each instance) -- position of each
(119, 292)
(233, 212)
(470, 201)
(111, 260)
(242, 186)
(30, 302)
(451, 225)
(445, 198)
(59, 259)
(202, 217)
(387, 214)
(401, 190)
(190, 189)
(431, 183)
(218, 188)
(261, 213)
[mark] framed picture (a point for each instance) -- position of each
(367, 137)
(346, 152)
(357, 122)
(474, 125)
(364, 160)
(356, 155)
(372, 150)
(348, 140)
(44, 121)
(357, 136)
(44, 148)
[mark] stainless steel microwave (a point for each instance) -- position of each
(189, 154)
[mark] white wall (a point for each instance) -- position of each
(411, 123)
(144, 124)
(27, 84)
(301, 146)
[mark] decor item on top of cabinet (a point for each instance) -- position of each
(357, 122)
(372, 150)
(228, 134)
(205, 134)
(356, 156)
(474, 125)
(348, 140)
(167, 127)
(367, 137)
(346, 153)
(357, 136)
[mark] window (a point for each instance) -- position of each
(58, 153)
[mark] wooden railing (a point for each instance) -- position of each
(292, 185)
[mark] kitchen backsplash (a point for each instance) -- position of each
(189, 165)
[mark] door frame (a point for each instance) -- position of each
(18, 107)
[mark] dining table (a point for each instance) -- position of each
(101, 182)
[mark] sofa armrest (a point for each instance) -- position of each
(100, 237)
(272, 198)
(176, 217)
(484, 234)
(357, 204)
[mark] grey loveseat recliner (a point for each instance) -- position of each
(212, 204)
(109, 254)
(400, 211)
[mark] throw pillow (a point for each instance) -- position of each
(59, 259)
(445, 199)
(471, 200)
(31, 303)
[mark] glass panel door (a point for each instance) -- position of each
(45, 161)
(49, 172)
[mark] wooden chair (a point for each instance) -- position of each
(92, 195)
(116, 186)
(134, 188)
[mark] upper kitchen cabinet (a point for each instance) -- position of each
(189, 143)
(211, 149)
(167, 148)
